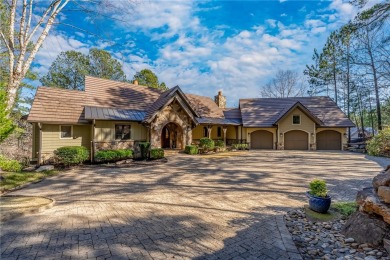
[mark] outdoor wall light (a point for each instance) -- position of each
(281, 134)
(312, 134)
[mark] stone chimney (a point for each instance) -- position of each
(135, 82)
(220, 100)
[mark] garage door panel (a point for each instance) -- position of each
(296, 140)
(328, 140)
(261, 139)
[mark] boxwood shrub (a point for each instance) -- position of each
(10, 165)
(207, 144)
(219, 143)
(240, 146)
(318, 188)
(191, 149)
(156, 153)
(71, 155)
(113, 155)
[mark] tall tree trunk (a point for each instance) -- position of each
(375, 76)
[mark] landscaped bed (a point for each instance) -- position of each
(319, 235)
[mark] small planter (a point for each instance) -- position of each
(319, 204)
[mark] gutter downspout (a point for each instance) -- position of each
(93, 141)
(40, 145)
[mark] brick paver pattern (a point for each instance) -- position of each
(193, 207)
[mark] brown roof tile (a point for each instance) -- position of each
(265, 112)
(205, 106)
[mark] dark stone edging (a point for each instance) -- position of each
(287, 240)
(7, 216)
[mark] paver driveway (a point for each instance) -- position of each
(217, 206)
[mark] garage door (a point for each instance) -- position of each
(328, 140)
(296, 140)
(261, 139)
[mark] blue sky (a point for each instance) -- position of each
(202, 46)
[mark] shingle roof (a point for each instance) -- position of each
(265, 112)
(61, 105)
(58, 105)
(108, 113)
(205, 106)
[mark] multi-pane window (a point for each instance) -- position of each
(66, 131)
(296, 119)
(122, 132)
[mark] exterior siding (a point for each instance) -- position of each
(105, 131)
(307, 125)
(51, 138)
(248, 131)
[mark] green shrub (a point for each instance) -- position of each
(10, 165)
(156, 153)
(219, 143)
(191, 149)
(71, 155)
(144, 147)
(113, 155)
(345, 208)
(318, 188)
(379, 145)
(240, 146)
(207, 144)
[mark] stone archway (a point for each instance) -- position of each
(172, 114)
(172, 136)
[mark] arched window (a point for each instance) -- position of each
(219, 131)
(205, 132)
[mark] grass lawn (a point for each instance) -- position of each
(15, 179)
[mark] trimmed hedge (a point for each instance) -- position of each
(144, 147)
(219, 143)
(240, 146)
(191, 149)
(71, 155)
(156, 153)
(379, 145)
(113, 155)
(10, 165)
(207, 144)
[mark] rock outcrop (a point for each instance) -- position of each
(371, 224)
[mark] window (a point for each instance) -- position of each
(205, 132)
(296, 119)
(122, 132)
(219, 131)
(66, 131)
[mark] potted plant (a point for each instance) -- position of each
(319, 200)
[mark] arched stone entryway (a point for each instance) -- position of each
(172, 136)
(170, 116)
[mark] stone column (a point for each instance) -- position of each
(209, 128)
(224, 129)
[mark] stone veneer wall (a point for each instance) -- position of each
(172, 113)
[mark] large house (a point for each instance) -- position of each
(111, 115)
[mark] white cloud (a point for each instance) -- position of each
(283, 15)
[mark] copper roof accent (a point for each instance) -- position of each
(108, 113)
(205, 106)
(265, 112)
